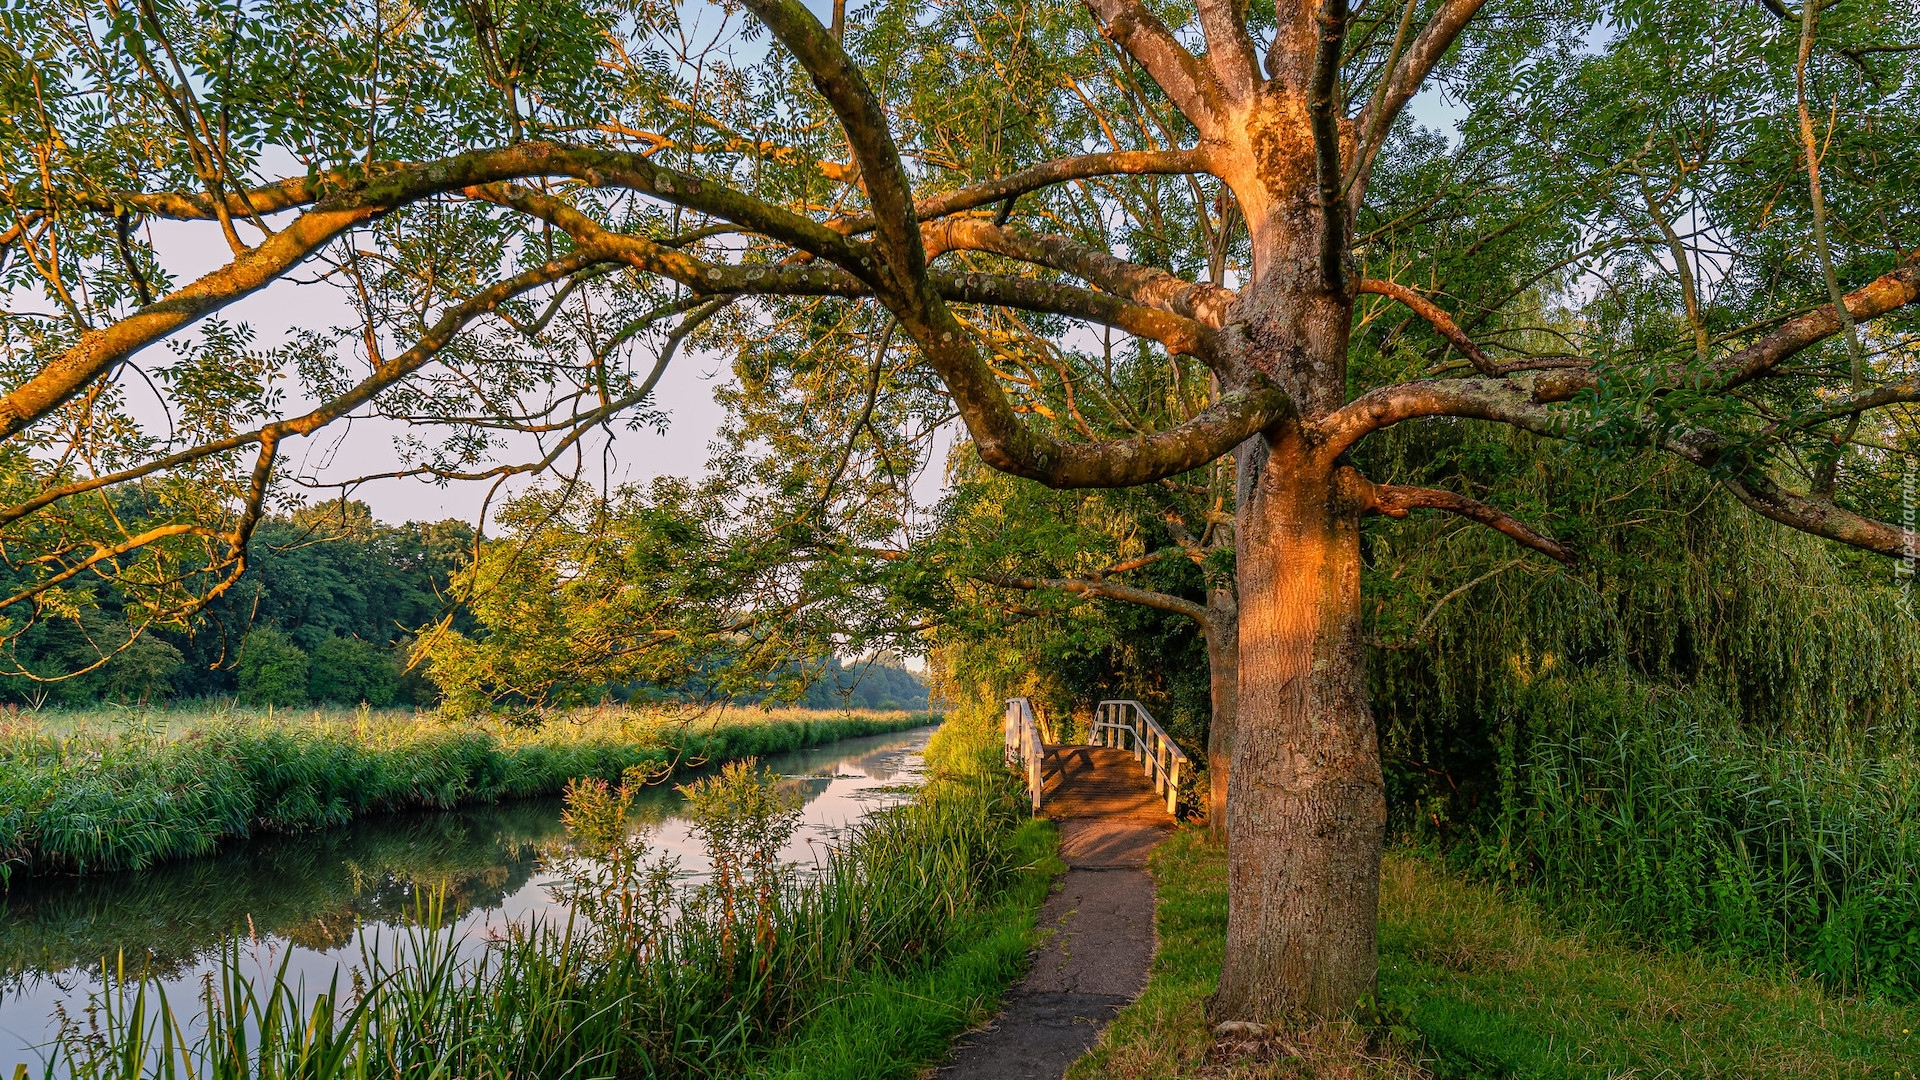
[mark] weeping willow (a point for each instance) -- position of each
(1705, 732)
(1678, 587)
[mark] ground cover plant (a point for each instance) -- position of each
(1476, 981)
(89, 799)
(649, 977)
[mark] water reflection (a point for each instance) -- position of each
(306, 898)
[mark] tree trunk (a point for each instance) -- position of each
(1305, 814)
(1223, 671)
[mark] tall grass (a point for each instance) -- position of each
(101, 800)
(1659, 809)
(646, 979)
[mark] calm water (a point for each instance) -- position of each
(303, 899)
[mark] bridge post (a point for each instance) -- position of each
(1036, 752)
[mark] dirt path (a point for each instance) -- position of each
(1094, 961)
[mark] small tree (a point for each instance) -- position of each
(141, 672)
(272, 669)
(348, 671)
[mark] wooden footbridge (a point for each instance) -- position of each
(1128, 767)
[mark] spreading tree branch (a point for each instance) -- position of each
(1375, 122)
(1323, 111)
(1188, 82)
(1396, 500)
(1431, 312)
(1110, 590)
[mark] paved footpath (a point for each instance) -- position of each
(1094, 959)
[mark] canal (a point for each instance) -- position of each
(314, 901)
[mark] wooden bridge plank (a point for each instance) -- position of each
(1098, 781)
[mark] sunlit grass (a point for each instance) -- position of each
(180, 719)
(88, 795)
(1477, 983)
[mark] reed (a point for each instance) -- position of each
(1685, 829)
(645, 979)
(79, 798)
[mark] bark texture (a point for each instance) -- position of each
(1306, 813)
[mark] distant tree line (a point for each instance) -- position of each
(328, 612)
(325, 612)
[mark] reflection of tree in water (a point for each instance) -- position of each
(315, 889)
(312, 890)
(881, 757)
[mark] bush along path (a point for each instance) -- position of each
(95, 801)
(1099, 940)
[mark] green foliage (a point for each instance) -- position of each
(705, 991)
(675, 590)
(744, 817)
(1064, 650)
(321, 573)
(1660, 810)
(100, 802)
(349, 671)
(874, 682)
(1678, 586)
(92, 658)
(272, 669)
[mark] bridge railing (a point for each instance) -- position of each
(1026, 747)
(1127, 724)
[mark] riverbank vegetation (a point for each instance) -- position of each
(1479, 981)
(905, 935)
(156, 788)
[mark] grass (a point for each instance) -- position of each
(1692, 832)
(77, 798)
(757, 969)
(881, 1025)
(1475, 982)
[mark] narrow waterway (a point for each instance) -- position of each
(310, 901)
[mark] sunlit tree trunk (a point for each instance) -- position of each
(1305, 809)
(1305, 815)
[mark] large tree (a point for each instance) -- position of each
(1679, 226)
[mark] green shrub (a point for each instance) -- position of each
(272, 669)
(348, 671)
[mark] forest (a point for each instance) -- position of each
(328, 612)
